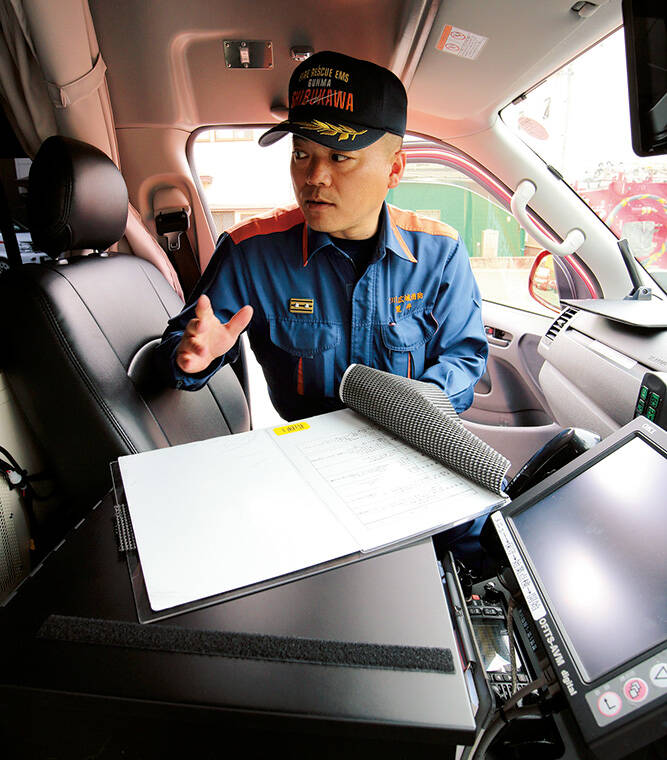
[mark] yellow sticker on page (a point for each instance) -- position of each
(294, 428)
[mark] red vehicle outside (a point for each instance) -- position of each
(635, 210)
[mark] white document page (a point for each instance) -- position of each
(220, 514)
(225, 513)
(381, 488)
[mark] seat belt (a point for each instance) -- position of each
(7, 231)
(172, 221)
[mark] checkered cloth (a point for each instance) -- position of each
(421, 414)
(124, 530)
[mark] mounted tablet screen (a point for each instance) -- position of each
(597, 547)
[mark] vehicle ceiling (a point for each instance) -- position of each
(166, 65)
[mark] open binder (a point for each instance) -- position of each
(213, 520)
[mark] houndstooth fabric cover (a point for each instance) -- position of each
(422, 414)
(124, 530)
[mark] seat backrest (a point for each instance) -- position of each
(79, 334)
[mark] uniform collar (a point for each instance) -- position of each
(394, 239)
(389, 239)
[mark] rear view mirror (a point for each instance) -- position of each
(542, 284)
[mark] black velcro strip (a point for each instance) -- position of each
(246, 646)
(124, 530)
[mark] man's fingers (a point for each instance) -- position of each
(204, 317)
(240, 320)
(238, 323)
(205, 338)
(193, 346)
(192, 328)
(186, 361)
(203, 309)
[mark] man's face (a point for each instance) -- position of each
(341, 192)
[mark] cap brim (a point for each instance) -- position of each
(328, 133)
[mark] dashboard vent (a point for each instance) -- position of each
(559, 323)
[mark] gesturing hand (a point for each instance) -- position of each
(206, 338)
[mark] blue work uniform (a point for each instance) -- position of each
(415, 310)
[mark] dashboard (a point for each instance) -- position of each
(595, 365)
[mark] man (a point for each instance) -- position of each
(342, 278)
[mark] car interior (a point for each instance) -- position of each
(112, 204)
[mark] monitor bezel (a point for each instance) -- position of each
(548, 603)
(645, 142)
(548, 628)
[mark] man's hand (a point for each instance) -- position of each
(206, 338)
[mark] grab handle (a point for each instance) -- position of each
(519, 202)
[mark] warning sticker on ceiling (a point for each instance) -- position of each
(459, 42)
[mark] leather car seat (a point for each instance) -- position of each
(79, 333)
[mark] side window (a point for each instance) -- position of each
(501, 253)
(240, 179)
(578, 121)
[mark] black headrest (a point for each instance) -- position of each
(77, 198)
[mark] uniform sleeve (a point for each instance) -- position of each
(224, 282)
(456, 354)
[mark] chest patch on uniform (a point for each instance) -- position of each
(404, 302)
(301, 305)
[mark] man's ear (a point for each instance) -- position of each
(398, 161)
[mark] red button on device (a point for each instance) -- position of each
(635, 689)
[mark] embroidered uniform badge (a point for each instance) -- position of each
(301, 305)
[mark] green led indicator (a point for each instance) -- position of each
(650, 414)
(654, 400)
(643, 393)
(640, 407)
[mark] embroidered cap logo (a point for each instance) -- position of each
(332, 130)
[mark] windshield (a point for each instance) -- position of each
(578, 121)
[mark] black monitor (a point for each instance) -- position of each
(589, 549)
(645, 24)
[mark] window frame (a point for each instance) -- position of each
(425, 150)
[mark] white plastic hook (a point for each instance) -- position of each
(524, 192)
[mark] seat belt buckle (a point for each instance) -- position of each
(172, 215)
(172, 224)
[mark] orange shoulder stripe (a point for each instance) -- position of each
(278, 220)
(408, 220)
(402, 242)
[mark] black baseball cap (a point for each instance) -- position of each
(342, 102)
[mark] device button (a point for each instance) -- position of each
(522, 678)
(609, 704)
(474, 611)
(658, 675)
(650, 414)
(654, 400)
(635, 689)
(640, 406)
(643, 393)
(491, 611)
